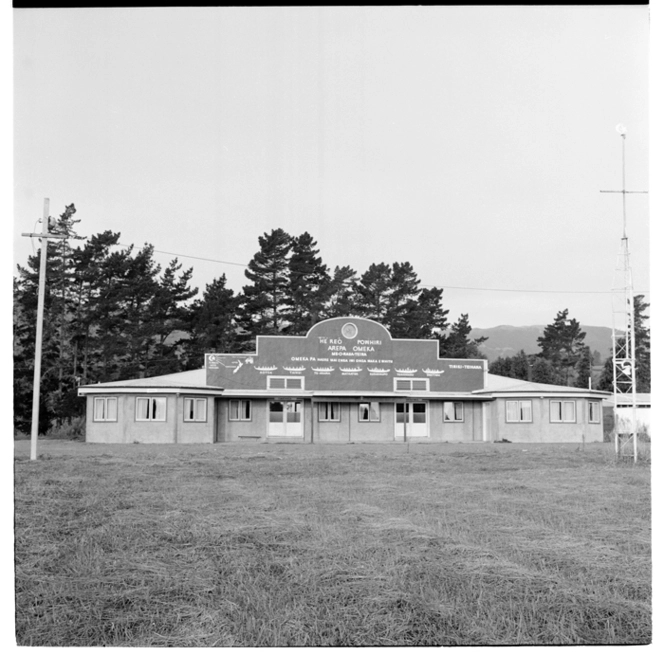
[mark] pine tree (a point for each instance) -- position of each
(584, 368)
(562, 345)
(402, 316)
(168, 313)
(263, 303)
(544, 372)
(210, 324)
(373, 292)
(138, 290)
(342, 296)
(90, 296)
(309, 285)
(518, 366)
(458, 344)
(423, 317)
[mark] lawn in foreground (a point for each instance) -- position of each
(312, 545)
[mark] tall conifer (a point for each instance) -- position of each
(263, 303)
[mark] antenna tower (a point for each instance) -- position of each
(624, 359)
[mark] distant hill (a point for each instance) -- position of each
(507, 340)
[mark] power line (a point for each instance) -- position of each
(443, 286)
(203, 259)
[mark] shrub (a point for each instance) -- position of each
(73, 429)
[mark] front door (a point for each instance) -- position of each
(411, 420)
(285, 419)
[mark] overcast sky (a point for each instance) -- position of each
(472, 142)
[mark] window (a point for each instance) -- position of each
(369, 412)
(519, 411)
(151, 409)
(563, 411)
(593, 411)
(419, 413)
(452, 411)
(411, 384)
(285, 382)
(105, 409)
(195, 410)
(328, 412)
(240, 410)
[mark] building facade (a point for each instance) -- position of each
(346, 381)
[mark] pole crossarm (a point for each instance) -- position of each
(48, 235)
(622, 191)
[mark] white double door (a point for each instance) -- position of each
(285, 419)
(411, 420)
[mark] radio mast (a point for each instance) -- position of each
(624, 359)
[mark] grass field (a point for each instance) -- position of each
(312, 545)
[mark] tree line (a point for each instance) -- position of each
(112, 313)
(565, 359)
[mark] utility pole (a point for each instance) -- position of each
(624, 347)
(44, 236)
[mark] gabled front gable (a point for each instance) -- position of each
(344, 354)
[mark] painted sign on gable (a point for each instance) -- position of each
(344, 354)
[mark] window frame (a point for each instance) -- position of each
(562, 403)
(598, 418)
(411, 380)
(519, 405)
(369, 419)
(241, 403)
(151, 419)
(196, 400)
(454, 404)
(285, 378)
(104, 400)
(333, 417)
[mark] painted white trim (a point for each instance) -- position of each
(101, 390)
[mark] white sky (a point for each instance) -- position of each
(471, 141)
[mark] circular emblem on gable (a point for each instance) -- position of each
(349, 330)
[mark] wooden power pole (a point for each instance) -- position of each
(44, 236)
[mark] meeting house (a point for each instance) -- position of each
(346, 381)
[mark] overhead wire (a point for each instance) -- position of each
(443, 286)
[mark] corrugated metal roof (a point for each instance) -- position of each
(197, 379)
(499, 383)
(183, 379)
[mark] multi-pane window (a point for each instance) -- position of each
(411, 384)
(151, 409)
(411, 412)
(328, 412)
(195, 409)
(105, 409)
(452, 411)
(563, 411)
(285, 382)
(593, 411)
(240, 410)
(369, 412)
(519, 411)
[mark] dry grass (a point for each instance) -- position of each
(256, 545)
